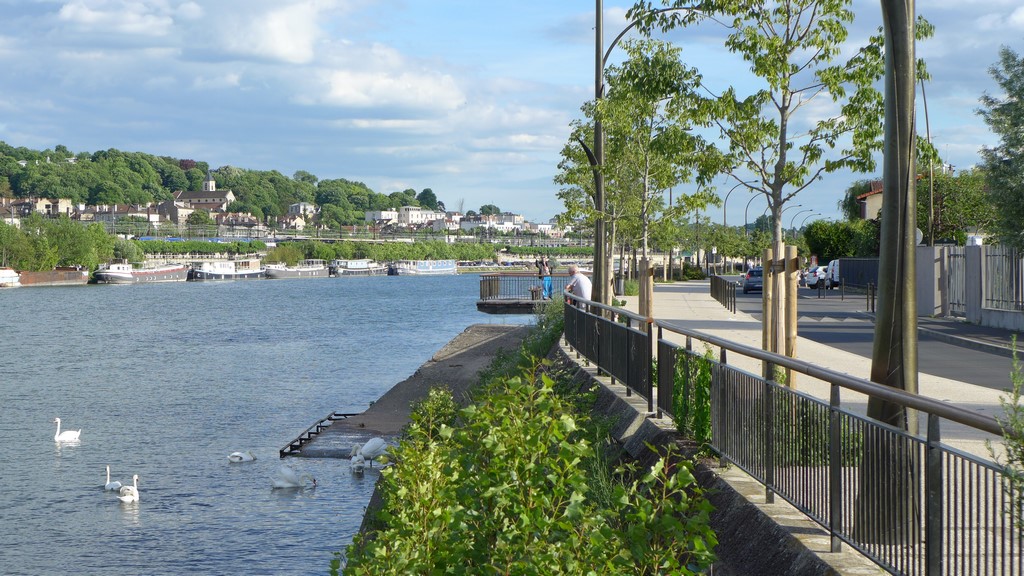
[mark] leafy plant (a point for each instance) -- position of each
(1012, 423)
(692, 400)
(519, 482)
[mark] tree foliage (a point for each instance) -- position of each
(1004, 164)
(117, 177)
(774, 140)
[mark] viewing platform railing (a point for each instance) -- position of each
(518, 285)
(911, 503)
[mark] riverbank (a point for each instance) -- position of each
(455, 366)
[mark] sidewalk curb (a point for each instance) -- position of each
(962, 341)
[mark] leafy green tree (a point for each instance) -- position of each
(427, 199)
(490, 210)
(796, 50)
(200, 218)
(848, 205)
(1004, 164)
(646, 115)
(962, 205)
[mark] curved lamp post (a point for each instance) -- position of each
(808, 216)
(752, 198)
(793, 219)
(724, 202)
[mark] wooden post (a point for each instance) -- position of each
(792, 277)
(767, 293)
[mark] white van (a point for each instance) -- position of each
(832, 274)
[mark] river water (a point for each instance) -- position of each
(165, 381)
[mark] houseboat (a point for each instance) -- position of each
(357, 268)
(9, 278)
(59, 276)
(247, 269)
(312, 268)
(122, 272)
(422, 268)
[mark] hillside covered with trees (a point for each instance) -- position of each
(114, 177)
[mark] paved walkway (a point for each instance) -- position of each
(690, 305)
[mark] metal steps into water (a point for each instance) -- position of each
(295, 446)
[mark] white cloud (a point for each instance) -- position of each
(118, 17)
(417, 90)
(286, 33)
(227, 80)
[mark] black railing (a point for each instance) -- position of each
(724, 291)
(909, 502)
(518, 285)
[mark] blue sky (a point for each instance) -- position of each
(469, 98)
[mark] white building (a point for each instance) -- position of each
(382, 216)
(414, 216)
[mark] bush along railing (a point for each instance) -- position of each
(908, 501)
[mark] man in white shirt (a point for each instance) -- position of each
(578, 284)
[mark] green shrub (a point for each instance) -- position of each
(692, 399)
(631, 288)
(1012, 423)
(519, 482)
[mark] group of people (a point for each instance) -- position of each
(579, 284)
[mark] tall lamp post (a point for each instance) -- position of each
(793, 219)
(745, 221)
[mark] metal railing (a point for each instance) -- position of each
(909, 502)
(724, 291)
(518, 285)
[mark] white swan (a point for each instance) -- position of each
(289, 478)
(246, 456)
(374, 448)
(130, 493)
(358, 463)
(115, 485)
(67, 435)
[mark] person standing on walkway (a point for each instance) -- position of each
(578, 284)
(544, 273)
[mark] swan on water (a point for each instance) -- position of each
(112, 486)
(358, 463)
(374, 448)
(130, 493)
(287, 477)
(246, 456)
(67, 435)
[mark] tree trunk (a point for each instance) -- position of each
(886, 506)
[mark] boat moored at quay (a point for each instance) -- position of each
(364, 267)
(422, 268)
(9, 278)
(122, 272)
(311, 268)
(60, 276)
(246, 269)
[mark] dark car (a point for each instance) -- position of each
(754, 279)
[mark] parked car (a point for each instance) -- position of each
(754, 280)
(815, 276)
(832, 274)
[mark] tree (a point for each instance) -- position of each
(646, 116)
(848, 205)
(427, 199)
(962, 205)
(1004, 164)
(773, 140)
(489, 210)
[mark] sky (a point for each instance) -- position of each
(469, 98)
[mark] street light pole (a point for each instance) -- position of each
(793, 219)
(808, 216)
(752, 198)
(600, 265)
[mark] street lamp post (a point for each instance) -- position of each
(808, 216)
(793, 219)
(752, 198)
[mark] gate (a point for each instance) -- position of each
(956, 281)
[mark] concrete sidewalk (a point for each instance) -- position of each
(690, 305)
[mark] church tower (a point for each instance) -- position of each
(209, 185)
